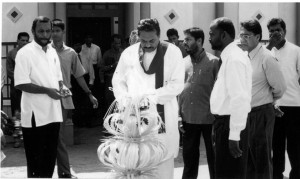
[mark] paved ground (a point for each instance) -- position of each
(84, 160)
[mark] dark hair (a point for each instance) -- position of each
(172, 32)
(23, 34)
(195, 32)
(275, 21)
(252, 26)
(117, 36)
(40, 19)
(58, 23)
(148, 25)
(225, 24)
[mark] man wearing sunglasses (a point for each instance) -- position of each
(268, 85)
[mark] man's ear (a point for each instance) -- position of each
(224, 34)
(199, 41)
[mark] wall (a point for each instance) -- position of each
(268, 10)
(132, 17)
(203, 15)
(46, 9)
(287, 11)
(10, 29)
(184, 11)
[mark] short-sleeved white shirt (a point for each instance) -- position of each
(33, 65)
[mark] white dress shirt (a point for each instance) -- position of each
(289, 61)
(130, 80)
(231, 94)
(268, 84)
(33, 65)
(92, 53)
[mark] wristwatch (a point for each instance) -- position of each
(88, 92)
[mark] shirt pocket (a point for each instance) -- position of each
(203, 77)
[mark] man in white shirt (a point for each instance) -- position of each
(268, 85)
(287, 127)
(154, 68)
(38, 75)
(230, 102)
(92, 53)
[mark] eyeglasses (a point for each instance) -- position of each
(246, 36)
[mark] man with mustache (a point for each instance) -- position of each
(201, 70)
(268, 85)
(154, 69)
(38, 75)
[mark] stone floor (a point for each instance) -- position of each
(84, 159)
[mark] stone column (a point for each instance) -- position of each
(60, 10)
(298, 23)
(145, 10)
(46, 9)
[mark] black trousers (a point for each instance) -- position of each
(109, 95)
(261, 126)
(40, 145)
(191, 153)
(287, 133)
(15, 97)
(227, 166)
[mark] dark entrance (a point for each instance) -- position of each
(98, 27)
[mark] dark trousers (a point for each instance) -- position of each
(15, 98)
(83, 114)
(109, 95)
(40, 145)
(261, 125)
(63, 164)
(227, 166)
(287, 133)
(191, 153)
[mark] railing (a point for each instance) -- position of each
(6, 47)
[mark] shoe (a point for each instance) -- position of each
(67, 176)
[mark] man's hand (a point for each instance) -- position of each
(54, 93)
(3, 141)
(180, 126)
(275, 38)
(144, 103)
(94, 101)
(234, 149)
(278, 112)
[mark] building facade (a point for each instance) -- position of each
(104, 19)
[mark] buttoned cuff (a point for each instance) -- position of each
(91, 82)
(153, 98)
(234, 135)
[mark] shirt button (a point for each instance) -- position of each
(191, 102)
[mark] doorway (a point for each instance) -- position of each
(98, 27)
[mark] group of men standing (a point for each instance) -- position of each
(229, 100)
(235, 100)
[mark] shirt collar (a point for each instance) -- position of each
(85, 46)
(227, 50)
(199, 56)
(61, 49)
(284, 43)
(254, 51)
(38, 46)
